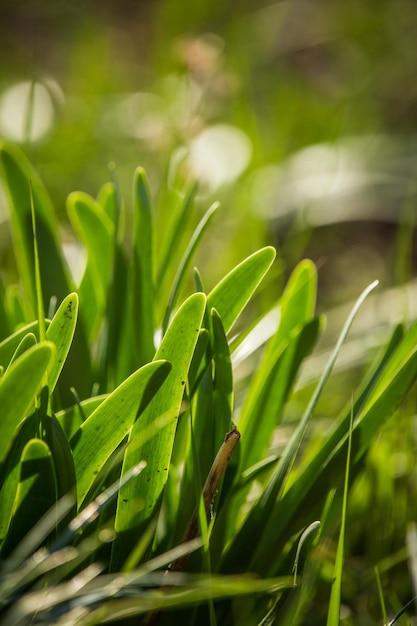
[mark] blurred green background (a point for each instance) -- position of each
(298, 115)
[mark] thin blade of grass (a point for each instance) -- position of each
(185, 262)
(143, 269)
(333, 614)
(38, 283)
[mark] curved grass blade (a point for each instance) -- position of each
(140, 500)
(18, 389)
(233, 292)
(26, 342)
(96, 231)
(106, 427)
(36, 492)
(10, 344)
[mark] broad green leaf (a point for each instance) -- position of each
(36, 492)
(140, 500)
(106, 427)
(96, 231)
(233, 292)
(16, 172)
(143, 287)
(61, 332)
(18, 389)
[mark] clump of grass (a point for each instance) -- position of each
(134, 494)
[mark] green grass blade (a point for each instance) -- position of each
(10, 344)
(18, 389)
(96, 231)
(333, 615)
(140, 500)
(117, 360)
(62, 458)
(16, 172)
(36, 492)
(106, 427)
(222, 382)
(211, 418)
(38, 283)
(234, 291)
(275, 376)
(175, 231)
(185, 262)
(27, 341)
(262, 410)
(143, 286)
(107, 198)
(61, 332)
(10, 469)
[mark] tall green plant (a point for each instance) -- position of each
(112, 419)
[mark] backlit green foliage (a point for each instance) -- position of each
(110, 425)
